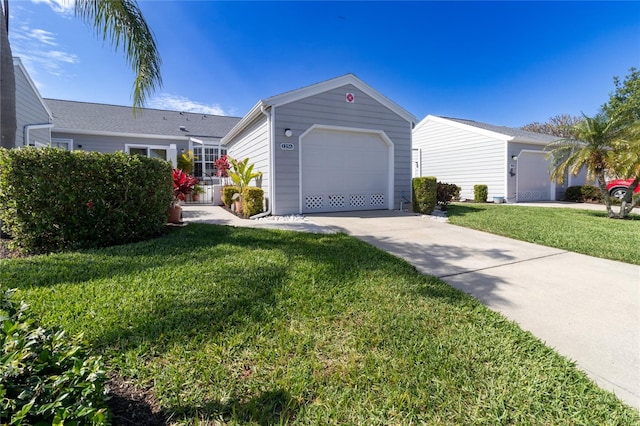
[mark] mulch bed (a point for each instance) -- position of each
(6, 253)
(132, 405)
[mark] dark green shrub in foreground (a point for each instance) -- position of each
(447, 192)
(46, 377)
(52, 199)
(583, 193)
(424, 194)
(252, 201)
(480, 193)
(227, 194)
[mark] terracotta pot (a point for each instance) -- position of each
(238, 205)
(175, 214)
(195, 197)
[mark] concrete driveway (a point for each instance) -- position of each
(588, 309)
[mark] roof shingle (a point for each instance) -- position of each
(92, 117)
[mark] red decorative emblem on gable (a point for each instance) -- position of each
(350, 98)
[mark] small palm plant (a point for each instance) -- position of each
(241, 173)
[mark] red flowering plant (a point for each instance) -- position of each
(222, 168)
(182, 185)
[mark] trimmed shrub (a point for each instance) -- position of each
(227, 194)
(424, 194)
(252, 201)
(46, 377)
(52, 199)
(583, 194)
(480, 193)
(447, 192)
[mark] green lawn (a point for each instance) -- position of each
(581, 231)
(249, 326)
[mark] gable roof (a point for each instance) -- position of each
(509, 134)
(314, 89)
(92, 118)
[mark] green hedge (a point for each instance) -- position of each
(424, 194)
(480, 193)
(46, 377)
(583, 193)
(52, 199)
(252, 201)
(227, 194)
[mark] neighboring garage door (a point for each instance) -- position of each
(532, 177)
(344, 170)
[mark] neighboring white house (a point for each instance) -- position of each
(338, 145)
(150, 132)
(34, 119)
(466, 153)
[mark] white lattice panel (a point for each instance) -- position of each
(313, 202)
(336, 201)
(356, 200)
(377, 200)
(529, 195)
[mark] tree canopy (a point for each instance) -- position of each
(625, 100)
(559, 125)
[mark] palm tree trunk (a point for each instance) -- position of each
(627, 202)
(605, 193)
(8, 121)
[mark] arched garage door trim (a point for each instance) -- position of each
(389, 201)
(532, 177)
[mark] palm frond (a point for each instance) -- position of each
(121, 23)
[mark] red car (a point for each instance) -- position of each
(618, 187)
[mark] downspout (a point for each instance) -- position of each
(272, 161)
(28, 127)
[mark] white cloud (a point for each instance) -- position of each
(39, 50)
(64, 7)
(180, 103)
(43, 36)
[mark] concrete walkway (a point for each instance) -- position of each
(588, 309)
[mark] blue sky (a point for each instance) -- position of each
(505, 63)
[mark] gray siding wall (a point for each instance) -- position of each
(253, 143)
(330, 108)
(114, 143)
(29, 110)
(462, 157)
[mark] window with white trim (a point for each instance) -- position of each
(204, 157)
(62, 143)
(55, 143)
(151, 151)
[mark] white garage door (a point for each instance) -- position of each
(532, 176)
(344, 170)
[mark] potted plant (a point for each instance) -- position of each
(241, 174)
(182, 186)
(195, 193)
